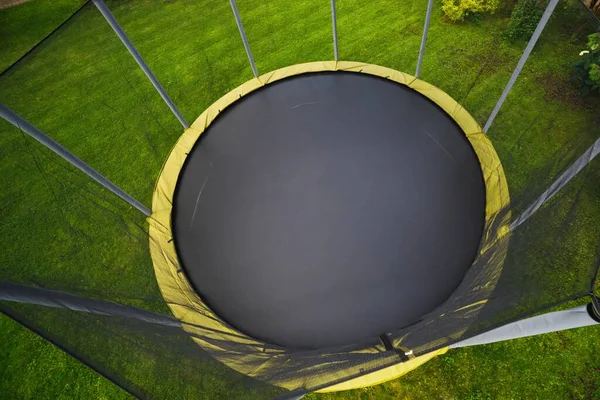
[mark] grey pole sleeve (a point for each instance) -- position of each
(138, 58)
(424, 38)
(293, 395)
(334, 29)
(551, 322)
(41, 137)
(18, 293)
(238, 21)
(534, 38)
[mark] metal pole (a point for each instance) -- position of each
(334, 28)
(576, 317)
(104, 10)
(18, 293)
(41, 137)
(559, 183)
(238, 21)
(424, 38)
(534, 38)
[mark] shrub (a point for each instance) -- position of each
(458, 10)
(586, 74)
(524, 18)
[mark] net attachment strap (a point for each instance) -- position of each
(404, 353)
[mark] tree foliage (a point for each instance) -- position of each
(524, 18)
(587, 68)
(458, 10)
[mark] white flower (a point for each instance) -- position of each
(584, 52)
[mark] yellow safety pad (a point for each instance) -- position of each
(385, 374)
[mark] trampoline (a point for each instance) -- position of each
(323, 205)
(322, 227)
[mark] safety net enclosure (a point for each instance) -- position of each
(323, 226)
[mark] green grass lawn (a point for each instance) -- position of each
(84, 90)
(29, 23)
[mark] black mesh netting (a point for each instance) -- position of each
(76, 260)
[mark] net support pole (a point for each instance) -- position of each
(424, 38)
(18, 293)
(110, 18)
(576, 317)
(334, 30)
(238, 21)
(558, 184)
(16, 120)
(534, 38)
